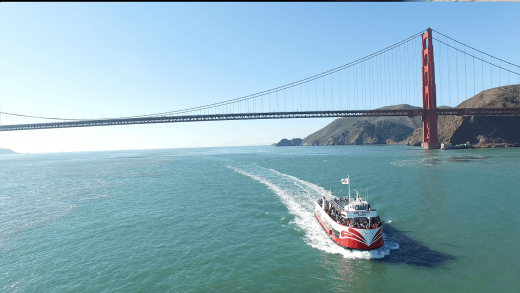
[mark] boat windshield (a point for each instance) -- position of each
(361, 207)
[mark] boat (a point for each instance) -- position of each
(350, 222)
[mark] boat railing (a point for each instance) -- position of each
(336, 205)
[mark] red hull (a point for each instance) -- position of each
(351, 238)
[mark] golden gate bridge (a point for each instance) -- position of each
(399, 73)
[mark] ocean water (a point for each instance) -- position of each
(239, 219)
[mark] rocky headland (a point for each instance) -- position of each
(7, 152)
(480, 131)
(287, 142)
(365, 130)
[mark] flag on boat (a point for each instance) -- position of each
(345, 181)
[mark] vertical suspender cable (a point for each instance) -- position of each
(457, 71)
(394, 87)
(347, 88)
(380, 83)
(332, 90)
(363, 86)
(449, 70)
(360, 93)
(370, 86)
(324, 98)
(465, 76)
(491, 69)
(372, 100)
(474, 72)
(406, 71)
(440, 72)
(369, 83)
(387, 75)
(399, 67)
(415, 86)
(339, 89)
(399, 88)
(356, 99)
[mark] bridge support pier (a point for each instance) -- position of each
(429, 98)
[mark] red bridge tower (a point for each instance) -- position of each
(429, 117)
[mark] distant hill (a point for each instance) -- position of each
(6, 152)
(366, 130)
(480, 131)
(292, 142)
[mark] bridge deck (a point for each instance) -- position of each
(251, 116)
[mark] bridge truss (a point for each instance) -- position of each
(257, 116)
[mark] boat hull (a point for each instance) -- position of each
(349, 237)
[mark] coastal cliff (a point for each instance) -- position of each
(365, 130)
(480, 131)
(7, 152)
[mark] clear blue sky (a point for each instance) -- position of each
(92, 60)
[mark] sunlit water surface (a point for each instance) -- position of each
(241, 219)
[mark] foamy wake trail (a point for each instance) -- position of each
(299, 196)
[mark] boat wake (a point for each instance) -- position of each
(299, 196)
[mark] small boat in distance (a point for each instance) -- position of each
(350, 222)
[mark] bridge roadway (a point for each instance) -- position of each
(251, 116)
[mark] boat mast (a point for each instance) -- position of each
(348, 188)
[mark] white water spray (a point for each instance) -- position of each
(299, 196)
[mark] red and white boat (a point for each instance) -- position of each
(350, 222)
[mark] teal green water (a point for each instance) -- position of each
(241, 219)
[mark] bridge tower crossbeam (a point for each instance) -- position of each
(429, 116)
